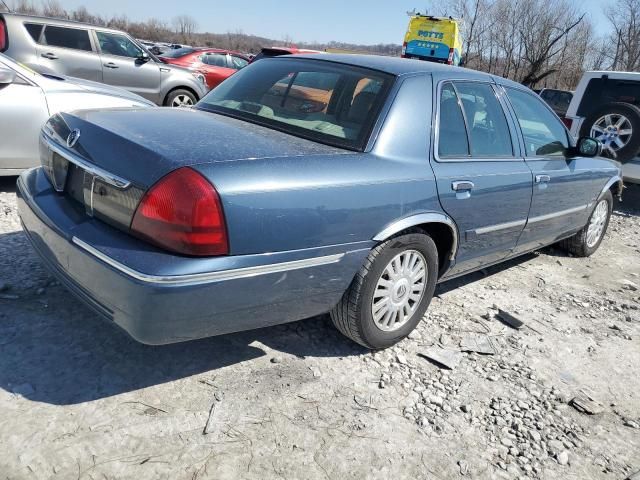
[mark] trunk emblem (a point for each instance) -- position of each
(73, 137)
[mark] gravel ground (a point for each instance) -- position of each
(557, 398)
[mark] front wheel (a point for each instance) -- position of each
(389, 295)
(180, 98)
(586, 241)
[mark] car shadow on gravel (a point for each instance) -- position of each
(630, 204)
(8, 184)
(55, 350)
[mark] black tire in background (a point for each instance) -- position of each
(632, 112)
(178, 93)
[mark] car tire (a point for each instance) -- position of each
(632, 114)
(354, 315)
(583, 243)
(180, 98)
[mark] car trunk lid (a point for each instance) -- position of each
(105, 161)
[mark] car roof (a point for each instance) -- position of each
(403, 66)
(57, 22)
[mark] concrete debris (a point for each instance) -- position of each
(586, 404)
(477, 343)
(444, 357)
(509, 319)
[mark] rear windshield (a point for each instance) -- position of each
(178, 52)
(322, 101)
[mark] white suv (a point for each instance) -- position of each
(606, 106)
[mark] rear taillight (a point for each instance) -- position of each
(450, 59)
(404, 50)
(3, 36)
(568, 122)
(183, 213)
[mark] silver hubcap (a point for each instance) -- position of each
(614, 131)
(399, 290)
(597, 223)
(182, 101)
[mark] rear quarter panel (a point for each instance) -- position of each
(290, 203)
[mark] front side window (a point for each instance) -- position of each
(544, 134)
(118, 45)
(332, 104)
(75, 38)
(237, 62)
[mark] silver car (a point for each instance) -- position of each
(28, 99)
(99, 54)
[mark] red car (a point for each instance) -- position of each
(216, 65)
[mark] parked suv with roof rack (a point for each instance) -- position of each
(606, 105)
(62, 47)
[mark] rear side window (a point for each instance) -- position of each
(215, 59)
(74, 38)
(606, 90)
(486, 123)
(452, 136)
(34, 29)
(544, 134)
(3, 36)
(472, 122)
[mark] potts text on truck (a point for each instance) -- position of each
(435, 39)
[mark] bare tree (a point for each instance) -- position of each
(185, 26)
(53, 8)
(624, 17)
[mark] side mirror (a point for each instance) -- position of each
(7, 76)
(144, 57)
(589, 147)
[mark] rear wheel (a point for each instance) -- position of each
(586, 241)
(390, 293)
(617, 126)
(180, 98)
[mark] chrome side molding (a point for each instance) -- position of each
(208, 277)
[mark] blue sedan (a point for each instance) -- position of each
(306, 185)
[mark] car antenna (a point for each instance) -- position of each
(6, 6)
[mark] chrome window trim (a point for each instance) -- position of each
(514, 157)
(103, 175)
(209, 277)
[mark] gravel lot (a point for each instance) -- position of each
(80, 400)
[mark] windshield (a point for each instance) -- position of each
(323, 101)
(178, 52)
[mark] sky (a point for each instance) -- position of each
(350, 21)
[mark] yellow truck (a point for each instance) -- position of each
(435, 39)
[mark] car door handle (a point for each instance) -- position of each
(110, 65)
(462, 185)
(50, 56)
(543, 178)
